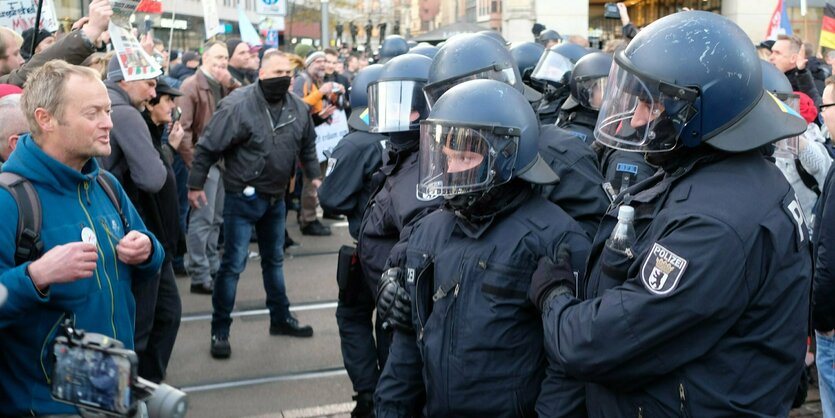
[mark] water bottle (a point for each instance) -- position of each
(623, 236)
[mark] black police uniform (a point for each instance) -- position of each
(347, 186)
(346, 189)
(478, 342)
(548, 110)
(619, 168)
(707, 314)
(580, 189)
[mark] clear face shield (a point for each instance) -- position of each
(788, 147)
(453, 160)
(643, 115)
(434, 91)
(552, 68)
(590, 92)
(396, 106)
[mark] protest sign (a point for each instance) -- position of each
(19, 15)
(329, 134)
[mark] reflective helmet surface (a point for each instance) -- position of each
(393, 45)
(395, 101)
(588, 79)
(526, 55)
(359, 96)
(463, 150)
(689, 78)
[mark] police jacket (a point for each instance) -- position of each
(707, 314)
(580, 189)
(259, 145)
(347, 185)
(478, 347)
(622, 169)
(392, 207)
(579, 121)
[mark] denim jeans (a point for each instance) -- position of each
(240, 213)
(825, 361)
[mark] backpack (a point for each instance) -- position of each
(29, 244)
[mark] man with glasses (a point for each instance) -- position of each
(259, 130)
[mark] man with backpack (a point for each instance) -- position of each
(74, 254)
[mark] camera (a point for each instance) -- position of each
(610, 11)
(99, 376)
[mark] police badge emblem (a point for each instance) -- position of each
(662, 270)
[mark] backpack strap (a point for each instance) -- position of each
(808, 180)
(29, 244)
(109, 187)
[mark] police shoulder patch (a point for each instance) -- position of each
(331, 165)
(662, 270)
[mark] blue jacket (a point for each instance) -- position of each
(478, 349)
(707, 315)
(102, 303)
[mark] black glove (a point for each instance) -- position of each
(394, 306)
(549, 276)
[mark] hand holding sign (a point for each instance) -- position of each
(100, 13)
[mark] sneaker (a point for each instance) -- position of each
(201, 288)
(221, 347)
(290, 243)
(291, 327)
(316, 228)
(365, 405)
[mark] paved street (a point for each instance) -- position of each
(281, 377)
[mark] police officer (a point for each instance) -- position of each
(551, 74)
(345, 190)
(473, 343)
(526, 55)
(587, 83)
(393, 46)
(705, 314)
(549, 38)
(396, 106)
(580, 192)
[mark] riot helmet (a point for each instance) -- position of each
(395, 101)
(471, 57)
(494, 35)
(359, 96)
(557, 62)
(464, 151)
(776, 83)
(393, 45)
(588, 79)
(526, 55)
(425, 50)
(547, 36)
(689, 78)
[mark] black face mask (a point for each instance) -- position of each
(275, 88)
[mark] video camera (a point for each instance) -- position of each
(99, 376)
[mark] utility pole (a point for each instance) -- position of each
(325, 25)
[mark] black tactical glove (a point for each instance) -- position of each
(550, 276)
(394, 306)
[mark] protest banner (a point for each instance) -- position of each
(19, 15)
(210, 18)
(136, 64)
(329, 134)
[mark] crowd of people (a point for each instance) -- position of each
(540, 229)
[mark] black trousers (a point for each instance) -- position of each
(158, 312)
(363, 355)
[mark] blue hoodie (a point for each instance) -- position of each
(102, 303)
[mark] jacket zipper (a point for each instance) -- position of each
(101, 254)
(110, 237)
(43, 346)
(682, 396)
(417, 304)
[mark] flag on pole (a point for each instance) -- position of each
(248, 32)
(828, 30)
(150, 6)
(779, 23)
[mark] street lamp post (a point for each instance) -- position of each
(325, 24)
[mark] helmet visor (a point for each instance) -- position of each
(453, 160)
(636, 116)
(396, 106)
(590, 92)
(552, 67)
(435, 90)
(788, 147)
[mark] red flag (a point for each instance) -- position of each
(150, 6)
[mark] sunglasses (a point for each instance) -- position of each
(824, 106)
